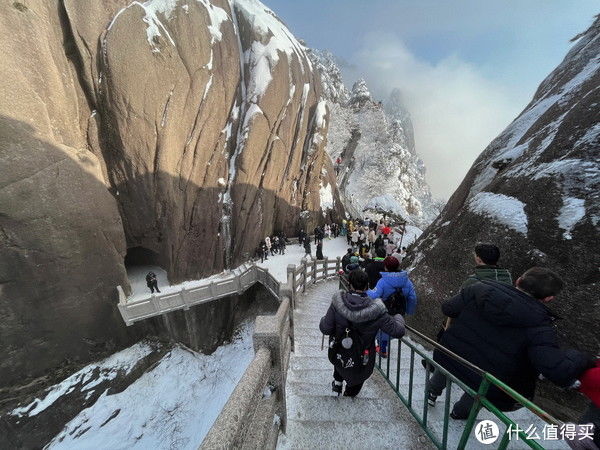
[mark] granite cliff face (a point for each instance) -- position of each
(535, 192)
(182, 131)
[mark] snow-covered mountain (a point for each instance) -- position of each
(380, 170)
(534, 192)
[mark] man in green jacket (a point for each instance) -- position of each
(486, 260)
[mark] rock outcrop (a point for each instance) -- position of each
(187, 128)
(535, 192)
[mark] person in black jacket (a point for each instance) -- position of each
(346, 258)
(375, 267)
(368, 317)
(152, 282)
(508, 332)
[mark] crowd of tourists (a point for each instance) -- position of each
(271, 246)
(501, 326)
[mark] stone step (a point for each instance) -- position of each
(301, 340)
(320, 360)
(343, 409)
(369, 390)
(314, 376)
(359, 435)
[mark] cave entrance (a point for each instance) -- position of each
(139, 261)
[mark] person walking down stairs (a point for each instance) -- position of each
(352, 322)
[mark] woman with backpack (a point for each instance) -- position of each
(352, 322)
(393, 288)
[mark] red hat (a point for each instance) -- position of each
(590, 384)
(391, 264)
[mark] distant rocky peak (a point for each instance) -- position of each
(401, 123)
(360, 95)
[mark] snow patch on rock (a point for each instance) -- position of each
(326, 196)
(572, 211)
(123, 361)
(505, 210)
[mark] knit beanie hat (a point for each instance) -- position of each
(354, 260)
(391, 264)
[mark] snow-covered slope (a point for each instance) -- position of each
(380, 170)
(172, 404)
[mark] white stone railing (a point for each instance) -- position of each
(249, 418)
(236, 282)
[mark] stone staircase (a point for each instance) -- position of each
(376, 418)
(317, 418)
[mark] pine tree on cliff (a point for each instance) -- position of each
(360, 95)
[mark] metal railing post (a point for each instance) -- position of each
(314, 270)
(483, 388)
(338, 264)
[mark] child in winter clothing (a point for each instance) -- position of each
(355, 309)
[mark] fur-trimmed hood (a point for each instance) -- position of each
(357, 308)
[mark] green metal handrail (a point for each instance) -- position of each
(481, 401)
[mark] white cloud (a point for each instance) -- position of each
(456, 110)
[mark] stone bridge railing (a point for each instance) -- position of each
(235, 282)
(256, 410)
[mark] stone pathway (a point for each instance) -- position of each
(317, 418)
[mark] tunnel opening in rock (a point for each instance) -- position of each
(139, 261)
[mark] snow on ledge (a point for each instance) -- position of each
(503, 209)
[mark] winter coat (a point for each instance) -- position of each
(368, 317)
(373, 269)
(509, 334)
(150, 279)
(307, 245)
(485, 272)
(268, 242)
(319, 253)
(355, 236)
(389, 283)
(346, 259)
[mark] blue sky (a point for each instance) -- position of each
(466, 68)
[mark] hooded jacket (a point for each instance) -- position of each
(389, 283)
(368, 317)
(509, 334)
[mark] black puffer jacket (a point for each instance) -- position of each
(368, 317)
(508, 334)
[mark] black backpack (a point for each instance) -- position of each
(396, 303)
(347, 349)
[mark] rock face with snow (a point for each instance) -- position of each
(535, 192)
(380, 171)
(189, 128)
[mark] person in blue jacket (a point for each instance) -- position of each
(392, 280)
